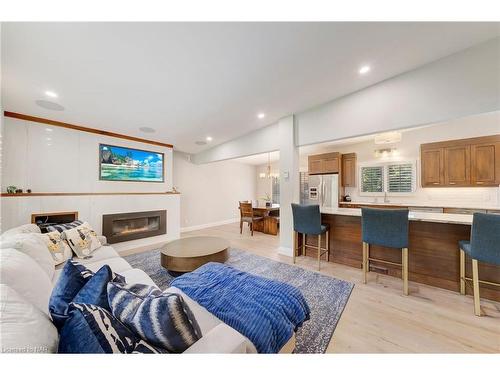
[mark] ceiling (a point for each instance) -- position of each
(260, 159)
(192, 80)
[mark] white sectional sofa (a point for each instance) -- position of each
(26, 288)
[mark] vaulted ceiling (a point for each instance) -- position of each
(188, 81)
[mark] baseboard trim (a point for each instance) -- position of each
(209, 225)
(287, 251)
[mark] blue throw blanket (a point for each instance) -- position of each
(265, 311)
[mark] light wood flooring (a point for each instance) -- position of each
(378, 318)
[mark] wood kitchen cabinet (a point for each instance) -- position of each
(349, 170)
(457, 165)
(485, 163)
(432, 165)
(324, 163)
(463, 162)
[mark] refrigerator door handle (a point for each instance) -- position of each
(323, 190)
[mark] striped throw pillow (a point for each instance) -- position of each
(162, 319)
(62, 227)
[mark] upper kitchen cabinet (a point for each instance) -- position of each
(462, 162)
(485, 163)
(349, 170)
(432, 161)
(324, 163)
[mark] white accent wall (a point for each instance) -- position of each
(51, 159)
(211, 192)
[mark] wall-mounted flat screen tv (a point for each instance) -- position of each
(129, 164)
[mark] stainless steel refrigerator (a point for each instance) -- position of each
(323, 190)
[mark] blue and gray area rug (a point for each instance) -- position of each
(325, 295)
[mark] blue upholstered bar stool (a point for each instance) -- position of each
(484, 246)
(307, 220)
(385, 228)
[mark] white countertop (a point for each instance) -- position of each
(433, 217)
(433, 205)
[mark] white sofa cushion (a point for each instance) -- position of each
(26, 228)
(117, 265)
(137, 276)
(221, 339)
(24, 275)
(34, 246)
(104, 252)
(25, 329)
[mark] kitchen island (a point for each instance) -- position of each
(433, 249)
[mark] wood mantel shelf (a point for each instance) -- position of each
(77, 194)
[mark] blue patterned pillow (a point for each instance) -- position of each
(78, 284)
(161, 319)
(92, 329)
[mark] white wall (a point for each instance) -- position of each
(210, 192)
(459, 85)
(409, 149)
(69, 164)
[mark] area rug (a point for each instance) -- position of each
(325, 295)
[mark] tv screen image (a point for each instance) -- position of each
(128, 164)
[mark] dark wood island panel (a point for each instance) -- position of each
(433, 253)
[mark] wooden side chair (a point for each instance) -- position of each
(307, 220)
(385, 228)
(246, 216)
(484, 246)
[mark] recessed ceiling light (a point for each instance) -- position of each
(49, 105)
(146, 129)
(261, 115)
(209, 139)
(51, 94)
(364, 69)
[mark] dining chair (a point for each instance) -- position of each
(387, 228)
(307, 221)
(247, 216)
(484, 246)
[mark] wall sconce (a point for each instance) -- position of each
(386, 153)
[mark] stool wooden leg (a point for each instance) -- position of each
(327, 246)
(462, 271)
(365, 261)
(475, 283)
(319, 252)
(405, 271)
(295, 245)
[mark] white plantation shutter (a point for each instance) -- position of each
(372, 179)
(400, 178)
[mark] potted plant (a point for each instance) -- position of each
(267, 199)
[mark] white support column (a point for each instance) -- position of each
(289, 181)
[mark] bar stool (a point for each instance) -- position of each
(307, 220)
(385, 228)
(484, 246)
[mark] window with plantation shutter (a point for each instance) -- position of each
(400, 178)
(276, 190)
(372, 179)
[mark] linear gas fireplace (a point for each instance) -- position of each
(134, 225)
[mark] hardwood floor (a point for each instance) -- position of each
(378, 318)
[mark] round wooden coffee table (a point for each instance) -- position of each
(187, 254)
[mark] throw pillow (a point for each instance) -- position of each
(26, 277)
(32, 245)
(82, 240)
(25, 329)
(62, 227)
(92, 329)
(162, 319)
(57, 247)
(78, 284)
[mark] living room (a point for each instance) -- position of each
(250, 187)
